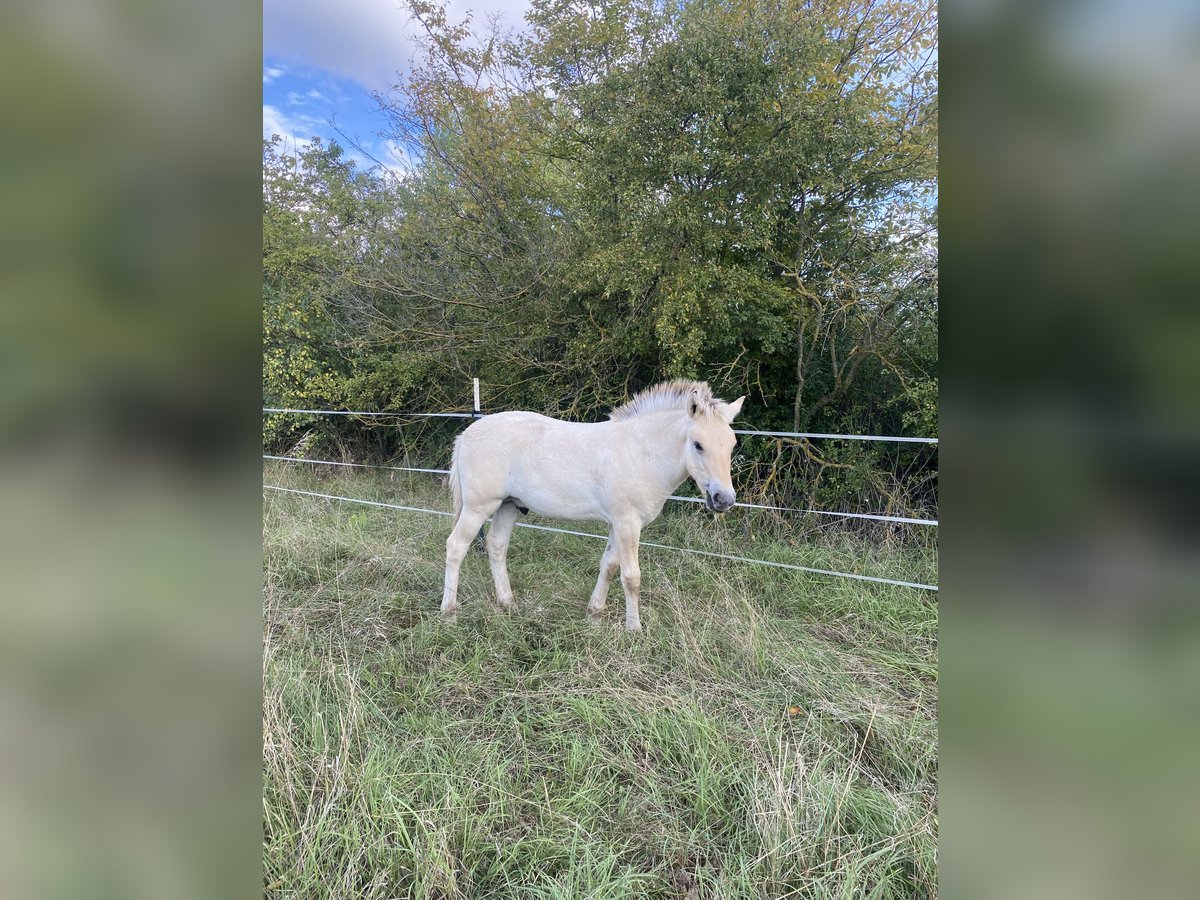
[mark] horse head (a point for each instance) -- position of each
(709, 449)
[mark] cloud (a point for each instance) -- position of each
(368, 41)
(386, 156)
(393, 157)
(270, 73)
(297, 131)
(397, 152)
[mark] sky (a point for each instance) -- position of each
(323, 58)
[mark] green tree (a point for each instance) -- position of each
(321, 218)
(742, 191)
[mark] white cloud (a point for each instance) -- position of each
(393, 158)
(368, 41)
(271, 73)
(397, 152)
(385, 157)
(297, 131)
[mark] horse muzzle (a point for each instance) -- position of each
(718, 501)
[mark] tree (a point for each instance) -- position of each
(742, 191)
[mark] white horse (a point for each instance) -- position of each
(620, 472)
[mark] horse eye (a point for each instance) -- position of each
(696, 444)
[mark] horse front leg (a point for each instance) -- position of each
(627, 536)
(609, 564)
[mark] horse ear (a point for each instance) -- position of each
(732, 409)
(693, 404)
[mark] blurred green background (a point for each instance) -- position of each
(129, 500)
(1070, 671)
(130, 509)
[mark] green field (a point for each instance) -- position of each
(770, 734)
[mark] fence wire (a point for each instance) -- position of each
(472, 415)
(814, 512)
(745, 559)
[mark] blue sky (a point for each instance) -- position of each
(323, 58)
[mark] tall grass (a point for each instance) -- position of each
(770, 733)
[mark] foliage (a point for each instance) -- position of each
(741, 191)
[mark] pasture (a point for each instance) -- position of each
(770, 734)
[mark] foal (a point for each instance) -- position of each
(620, 472)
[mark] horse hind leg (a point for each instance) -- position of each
(465, 526)
(498, 536)
(481, 539)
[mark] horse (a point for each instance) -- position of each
(619, 471)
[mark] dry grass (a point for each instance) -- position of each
(771, 734)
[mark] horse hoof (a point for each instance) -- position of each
(633, 626)
(450, 615)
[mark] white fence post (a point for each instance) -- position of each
(481, 545)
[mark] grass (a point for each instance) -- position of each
(770, 734)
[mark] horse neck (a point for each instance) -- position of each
(666, 434)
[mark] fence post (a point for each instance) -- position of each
(475, 414)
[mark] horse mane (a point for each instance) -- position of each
(665, 395)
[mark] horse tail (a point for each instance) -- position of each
(455, 478)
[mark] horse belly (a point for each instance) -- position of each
(548, 493)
